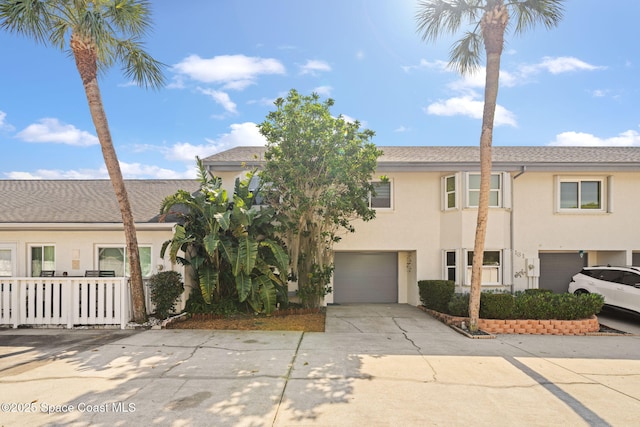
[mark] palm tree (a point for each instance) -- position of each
(490, 21)
(98, 34)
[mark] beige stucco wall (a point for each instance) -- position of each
(608, 237)
(76, 251)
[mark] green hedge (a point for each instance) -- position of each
(440, 295)
(436, 294)
(496, 306)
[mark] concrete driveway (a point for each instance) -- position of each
(376, 365)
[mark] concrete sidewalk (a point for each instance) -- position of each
(376, 365)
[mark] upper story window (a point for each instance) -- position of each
(450, 193)
(43, 258)
(581, 194)
(382, 198)
(495, 192)
(587, 194)
(463, 189)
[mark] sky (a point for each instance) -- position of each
(227, 61)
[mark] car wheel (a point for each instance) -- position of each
(581, 292)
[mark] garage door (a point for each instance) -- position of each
(370, 277)
(556, 270)
(636, 259)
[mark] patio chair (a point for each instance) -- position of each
(92, 273)
(106, 273)
(47, 273)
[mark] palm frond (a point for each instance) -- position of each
(138, 65)
(466, 53)
(437, 18)
(528, 13)
(31, 18)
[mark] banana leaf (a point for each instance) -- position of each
(208, 281)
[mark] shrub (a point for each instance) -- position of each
(165, 288)
(459, 305)
(547, 305)
(436, 294)
(496, 306)
(197, 305)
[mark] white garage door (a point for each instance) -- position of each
(556, 269)
(370, 277)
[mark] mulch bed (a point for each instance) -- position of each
(306, 320)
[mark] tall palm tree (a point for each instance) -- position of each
(490, 21)
(98, 34)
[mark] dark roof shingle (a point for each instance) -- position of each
(83, 201)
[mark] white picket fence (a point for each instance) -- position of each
(64, 301)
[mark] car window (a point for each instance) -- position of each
(630, 279)
(591, 273)
(610, 276)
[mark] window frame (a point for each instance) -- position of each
(370, 197)
(41, 246)
(500, 190)
(126, 272)
(446, 192)
(605, 187)
(486, 267)
(450, 267)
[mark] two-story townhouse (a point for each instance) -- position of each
(553, 210)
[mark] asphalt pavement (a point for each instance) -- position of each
(376, 365)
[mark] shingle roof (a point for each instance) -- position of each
(83, 201)
(452, 156)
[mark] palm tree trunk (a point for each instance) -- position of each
(493, 25)
(86, 62)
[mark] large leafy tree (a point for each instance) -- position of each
(318, 173)
(229, 242)
(489, 21)
(98, 33)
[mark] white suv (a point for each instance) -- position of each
(620, 286)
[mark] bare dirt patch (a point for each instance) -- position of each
(293, 320)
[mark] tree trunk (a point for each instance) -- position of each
(493, 25)
(86, 62)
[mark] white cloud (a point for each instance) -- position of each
(360, 55)
(313, 67)
(428, 65)
(240, 134)
(3, 122)
(232, 71)
(129, 171)
(559, 65)
(49, 130)
(401, 129)
(467, 106)
(221, 98)
(323, 91)
(629, 138)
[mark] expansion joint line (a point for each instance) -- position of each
(286, 379)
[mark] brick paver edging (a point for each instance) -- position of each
(524, 326)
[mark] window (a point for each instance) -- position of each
(382, 198)
(581, 194)
(491, 270)
(114, 258)
(495, 192)
(450, 265)
(43, 257)
(450, 199)
(6, 262)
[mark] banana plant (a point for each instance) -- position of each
(229, 242)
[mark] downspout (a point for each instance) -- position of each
(513, 278)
